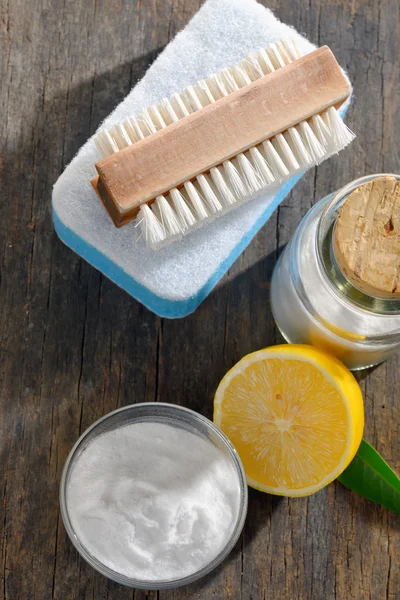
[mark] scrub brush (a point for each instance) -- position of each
(222, 141)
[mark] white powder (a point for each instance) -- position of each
(152, 501)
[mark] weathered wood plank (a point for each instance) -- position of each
(73, 346)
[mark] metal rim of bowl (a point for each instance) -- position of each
(192, 418)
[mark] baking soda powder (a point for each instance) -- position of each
(152, 501)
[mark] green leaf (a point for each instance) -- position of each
(370, 476)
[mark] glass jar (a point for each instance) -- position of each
(314, 303)
(181, 418)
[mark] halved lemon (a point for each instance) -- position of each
(295, 415)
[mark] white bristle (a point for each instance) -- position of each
(196, 200)
(251, 70)
(332, 142)
(249, 175)
(136, 127)
(114, 136)
(340, 134)
(210, 198)
(214, 88)
(148, 121)
(164, 114)
(193, 98)
(156, 211)
(153, 231)
(291, 48)
(168, 108)
(111, 141)
(157, 117)
(236, 182)
(179, 106)
(320, 130)
(242, 177)
(314, 147)
(201, 96)
(220, 84)
(266, 61)
(256, 65)
(275, 162)
(298, 147)
(121, 136)
(281, 146)
(131, 132)
(206, 91)
(276, 56)
(146, 131)
(184, 214)
(261, 166)
(229, 80)
(225, 194)
(105, 144)
(167, 217)
(284, 53)
(240, 76)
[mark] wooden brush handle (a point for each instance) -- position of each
(220, 131)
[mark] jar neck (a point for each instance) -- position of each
(328, 263)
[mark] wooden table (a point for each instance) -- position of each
(74, 346)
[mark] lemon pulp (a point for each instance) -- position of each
(295, 416)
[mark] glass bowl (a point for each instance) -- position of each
(170, 414)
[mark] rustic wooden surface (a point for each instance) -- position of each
(74, 346)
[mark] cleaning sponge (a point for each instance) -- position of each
(174, 280)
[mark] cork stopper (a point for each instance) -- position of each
(366, 239)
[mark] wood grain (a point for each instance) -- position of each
(73, 346)
(366, 237)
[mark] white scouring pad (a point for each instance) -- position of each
(174, 280)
